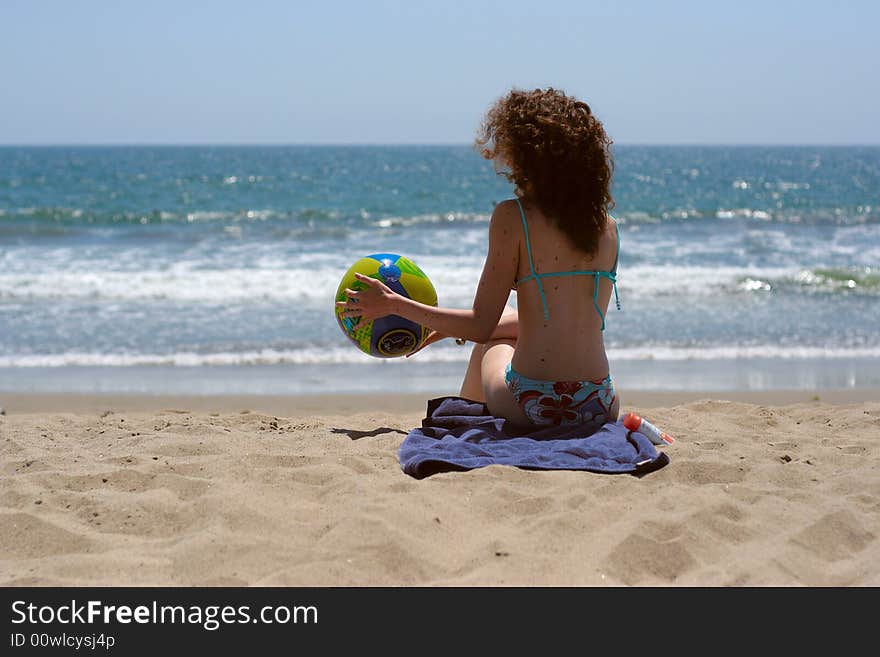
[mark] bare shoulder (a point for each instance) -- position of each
(505, 218)
(506, 209)
(611, 230)
(608, 243)
(611, 225)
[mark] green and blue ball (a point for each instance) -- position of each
(389, 336)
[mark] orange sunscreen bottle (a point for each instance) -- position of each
(635, 423)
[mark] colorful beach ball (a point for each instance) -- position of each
(389, 336)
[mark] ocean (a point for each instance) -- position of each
(210, 270)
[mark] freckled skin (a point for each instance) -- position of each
(568, 347)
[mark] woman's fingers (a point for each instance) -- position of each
(371, 282)
(368, 301)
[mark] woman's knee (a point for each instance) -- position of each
(496, 356)
(499, 346)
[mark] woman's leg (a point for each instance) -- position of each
(472, 384)
(485, 379)
(497, 355)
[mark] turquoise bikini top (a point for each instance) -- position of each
(610, 275)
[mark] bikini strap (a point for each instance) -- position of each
(522, 213)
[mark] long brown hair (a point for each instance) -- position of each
(558, 156)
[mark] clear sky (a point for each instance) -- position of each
(414, 71)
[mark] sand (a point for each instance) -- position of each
(762, 490)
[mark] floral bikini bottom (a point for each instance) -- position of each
(562, 402)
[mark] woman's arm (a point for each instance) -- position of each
(507, 328)
(477, 324)
(508, 325)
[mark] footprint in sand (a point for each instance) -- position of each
(699, 473)
(24, 536)
(835, 536)
(662, 551)
(642, 560)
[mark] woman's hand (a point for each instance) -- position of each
(374, 300)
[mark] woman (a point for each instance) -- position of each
(556, 244)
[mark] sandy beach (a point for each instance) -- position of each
(763, 489)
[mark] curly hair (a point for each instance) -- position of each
(558, 156)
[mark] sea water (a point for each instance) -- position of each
(214, 269)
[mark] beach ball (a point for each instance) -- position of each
(389, 336)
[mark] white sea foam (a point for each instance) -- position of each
(657, 281)
(455, 279)
(344, 354)
(326, 356)
(420, 219)
(734, 352)
(743, 213)
(184, 283)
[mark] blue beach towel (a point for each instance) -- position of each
(460, 434)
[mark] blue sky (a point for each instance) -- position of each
(771, 71)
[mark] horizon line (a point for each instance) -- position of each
(410, 144)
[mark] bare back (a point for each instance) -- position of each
(569, 345)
